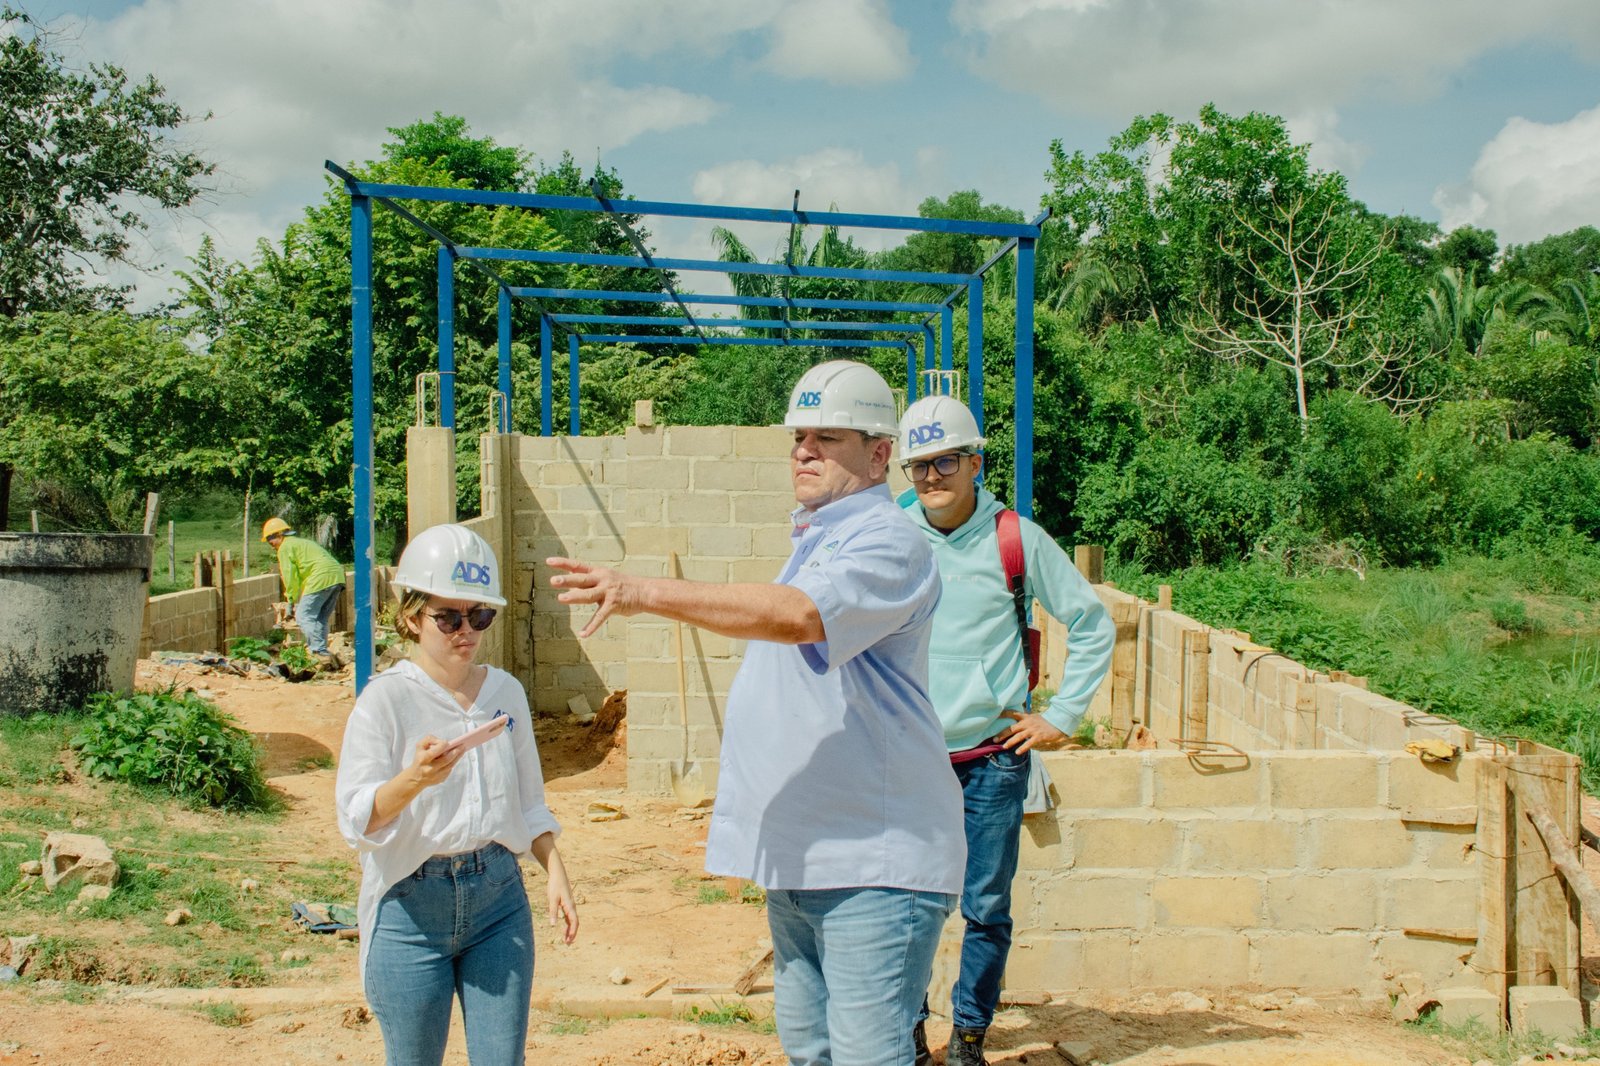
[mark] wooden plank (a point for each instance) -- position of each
(747, 980)
(1492, 959)
(1124, 663)
(1090, 559)
(1564, 855)
(1464, 936)
(1196, 683)
(1440, 815)
(1544, 929)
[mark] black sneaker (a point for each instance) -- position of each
(965, 1048)
(919, 1039)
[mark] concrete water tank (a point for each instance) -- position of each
(73, 606)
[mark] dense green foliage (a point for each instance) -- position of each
(1504, 645)
(180, 744)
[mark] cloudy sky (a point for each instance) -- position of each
(1459, 111)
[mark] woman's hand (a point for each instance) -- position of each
(558, 890)
(432, 763)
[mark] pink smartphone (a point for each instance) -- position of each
(472, 738)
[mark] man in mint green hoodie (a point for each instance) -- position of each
(978, 681)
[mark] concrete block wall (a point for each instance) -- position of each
(720, 498)
(181, 621)
(568, 497)
(1278, 869)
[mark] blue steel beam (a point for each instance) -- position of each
(572, 384)
(743, 323)
(975, 350)
(546, 390)
(361, 427)
(1000, 253)
(447, 337)
(947, 338)
(714, 266)
(1024, 380)
(752, 342)
(641, 250)
(630, 296)
(721, 212)
(505, 349)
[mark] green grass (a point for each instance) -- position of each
(172, 855)
(1508, 646)
(737, 1015)
(228, 1015)
(1477, 1042)
(712, 894)
(572, 1026)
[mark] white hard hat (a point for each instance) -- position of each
(842, 395)
(937, 424)
(452, 562)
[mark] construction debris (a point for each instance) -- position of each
(78, 858)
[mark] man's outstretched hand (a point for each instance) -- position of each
(609, 590)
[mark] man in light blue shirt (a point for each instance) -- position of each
(835, 792)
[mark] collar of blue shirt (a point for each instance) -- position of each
(839, 510)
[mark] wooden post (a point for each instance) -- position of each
(1124, 663)
(228, 605)
(1545, 915)
(202, 570)
(1090, 559)
(247, 533)
(1164, 598)
(34, 517)
(1497, 892)
(152, 504)
(1196, 683)
(172, 553)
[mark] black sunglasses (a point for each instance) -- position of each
(947, 465)
(449, 620)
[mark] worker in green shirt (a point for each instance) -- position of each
(312, 581)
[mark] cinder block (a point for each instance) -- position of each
(1436, 902)
(646, 507)
(1091, 903)
(1122, 843)
(1206, 782)
(1414, 783)
(699, 568)
(772, 542)
(763, 509)
(1547, 1010)
(644, 441)
(774, 476)
(699, 440)
(1214, 902)
(663, 474)
(1098, 780)
(752, 441)
(1042, 846)
(725, 475)
(1044, 961)
(648, 777)
(700, 509)
(1107, 964)
(721, 541)
(1440, 962)
(1238, 844)
(1360, 843)
(1302, 780)
(1191, 960)
(756, 571)
(1462, 1006)
(1312, 962)
(1329, 901)
(1447, 849)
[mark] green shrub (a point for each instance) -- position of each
(1510, 615)
(180, 744)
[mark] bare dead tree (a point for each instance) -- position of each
(1309, 295)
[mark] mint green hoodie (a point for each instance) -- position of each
(975, 663)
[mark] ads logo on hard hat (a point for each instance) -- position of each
(452, 562)
(920, 435)
(467, 573)
(938, 424)
(809, 399)
(842, 394)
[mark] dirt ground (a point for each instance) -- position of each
(653, 927)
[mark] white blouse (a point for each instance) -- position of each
(494, 794)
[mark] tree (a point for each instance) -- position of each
(1309, 295)
(1574, 256)
(1470, 250)
(79, 151)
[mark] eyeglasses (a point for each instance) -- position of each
(947, 465)
(449, 620)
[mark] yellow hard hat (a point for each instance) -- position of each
(272, 527)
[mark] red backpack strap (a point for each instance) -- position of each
(1008, 530)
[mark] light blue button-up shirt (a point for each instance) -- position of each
(834, 768)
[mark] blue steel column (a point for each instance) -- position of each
(947, 338)
(447, 338)
(505, 356)
(1024, 491)
(975, 350)
(546, 393)
(361, 425)
(572, 384)
(911, 374)
(927, 349)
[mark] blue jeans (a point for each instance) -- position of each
(313, 612)
(849, 967)
(459, 926)
(992, 790)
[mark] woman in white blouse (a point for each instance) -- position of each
(439, 825)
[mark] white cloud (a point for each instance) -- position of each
(1114, 58)
(845, 42)
(1531, 180)
(828, 177)
(1329, 149)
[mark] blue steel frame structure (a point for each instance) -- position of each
(1020, 237)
